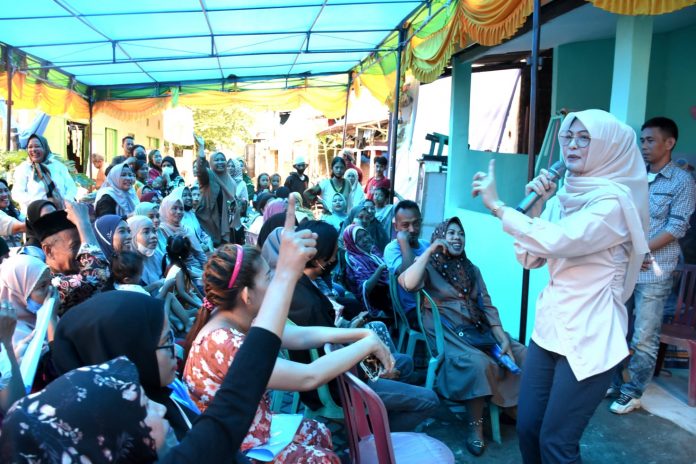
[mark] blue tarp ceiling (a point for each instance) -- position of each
(115, 42)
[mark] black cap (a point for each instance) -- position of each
(52, 223)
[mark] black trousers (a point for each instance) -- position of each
(555, 407)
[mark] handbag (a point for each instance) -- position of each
(477, 334)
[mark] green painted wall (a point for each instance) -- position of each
(672, 84)
(582, 74)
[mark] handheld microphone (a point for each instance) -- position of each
(556, 170)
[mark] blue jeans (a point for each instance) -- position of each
(647, 306)
(555, 407)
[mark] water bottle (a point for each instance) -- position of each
(505, 360)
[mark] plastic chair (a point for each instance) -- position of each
(681, 331)
(329, 408)
(437, 354)
(278, 396)
(369, 438)
(406, 333)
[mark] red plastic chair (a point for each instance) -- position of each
(367, 427)
(681, 332)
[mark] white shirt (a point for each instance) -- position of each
(26, 189)
(580, 314)
(6, 224)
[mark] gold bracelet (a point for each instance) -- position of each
(497, 207)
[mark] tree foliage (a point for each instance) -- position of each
(231, 127)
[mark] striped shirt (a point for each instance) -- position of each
(672, 198)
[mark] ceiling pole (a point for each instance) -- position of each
(394, 115)
(345, 115)
(8, 63)
(91, 132)
(531, 150)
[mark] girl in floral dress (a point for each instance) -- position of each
(235, 280)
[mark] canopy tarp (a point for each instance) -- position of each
(264, 53)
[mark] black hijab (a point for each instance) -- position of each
(92, 414)
(273, 222)
(171, 161)
(33, 215)
(112, 324)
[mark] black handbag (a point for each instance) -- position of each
(479, 336)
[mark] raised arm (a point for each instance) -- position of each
(413, 278)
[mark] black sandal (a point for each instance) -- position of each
(475, 446)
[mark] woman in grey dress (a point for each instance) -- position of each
(469, 374)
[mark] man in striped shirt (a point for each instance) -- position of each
(672, 198)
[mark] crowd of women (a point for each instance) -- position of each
(154, 318)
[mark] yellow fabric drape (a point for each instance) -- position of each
(642, 7)
(39, 95)
(331, 102)
(132, 109)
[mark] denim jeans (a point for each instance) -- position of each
(407, 405)
(648, 303)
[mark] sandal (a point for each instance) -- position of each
(475, 445)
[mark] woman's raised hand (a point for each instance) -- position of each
(296, 247)
(485, 187)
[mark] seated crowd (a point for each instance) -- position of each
(155, 311)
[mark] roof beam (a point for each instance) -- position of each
(224, 55)
(213, 46)
(198, 36)
(305, 43)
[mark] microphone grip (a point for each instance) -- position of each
(527, 203)
(556, 171)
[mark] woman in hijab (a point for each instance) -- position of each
(42, 176)
(592, 235)
(468, 373)
(172, 212)
(113, 235)
(35, 210)
(117, 195)
(338, 215)
(241, 200)
(217, 195)
(103, 328)
(154, 159)
(170, 175)
(25, 282)
(151, 210)
(144, 242)
(364, 215)
(356, 192)
(366, 272)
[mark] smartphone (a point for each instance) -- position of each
(371, 367)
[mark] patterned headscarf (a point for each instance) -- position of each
(361, 263)
(126, 200)
(91, 414)
(457, 270)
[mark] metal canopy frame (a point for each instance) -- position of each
(312, 38)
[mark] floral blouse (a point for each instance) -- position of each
(206, 367)
(93, 275)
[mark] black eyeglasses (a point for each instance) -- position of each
(171, 346)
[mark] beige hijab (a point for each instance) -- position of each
(614, 169)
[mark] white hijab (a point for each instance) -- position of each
(126, 200)
(152, 266)
(614, 169)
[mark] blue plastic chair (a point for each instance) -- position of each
(437, 354)
(406, 333)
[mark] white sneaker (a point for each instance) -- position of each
(624, 404)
